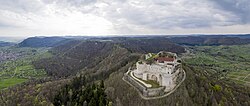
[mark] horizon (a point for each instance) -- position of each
(26, 18)
(120, 35)
(17, 39)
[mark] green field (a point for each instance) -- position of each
(4, 83)
(232, 62)
(242, 76)
(17, 71)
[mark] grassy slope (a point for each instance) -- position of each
(116, 59)
(4, 83)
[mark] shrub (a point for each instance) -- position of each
(217, 87)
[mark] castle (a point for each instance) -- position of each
(161, 68)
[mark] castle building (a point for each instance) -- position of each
(162, 68)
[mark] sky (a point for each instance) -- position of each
(20, 18)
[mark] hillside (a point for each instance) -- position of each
(16, 65)
(150, 45)
(197, 89)
(117, 57)
(108, 60)
(42, 42)
(76, 55)
(223, 61)
(3, 44)
(212, 40)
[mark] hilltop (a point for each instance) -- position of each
(42, 42)
(71, 67)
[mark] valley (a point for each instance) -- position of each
(47, 75)
(124, 52)
(230, 62)
(17, 67)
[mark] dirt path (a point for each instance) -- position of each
(246, 77)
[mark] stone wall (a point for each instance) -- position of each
(148, 92)
(136, 84)
(154, 91)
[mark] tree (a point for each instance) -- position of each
(102, 84)
(92, 102)
(75, 94)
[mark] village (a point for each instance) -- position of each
(7, 56)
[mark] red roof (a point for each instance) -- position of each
(164, 59)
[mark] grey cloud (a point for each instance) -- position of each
(239, 7)
(4, 25)
(74, 3)
(150, 13)
(127, 15)
(21, 6)
(167, 14)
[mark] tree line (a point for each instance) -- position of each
(81, 93)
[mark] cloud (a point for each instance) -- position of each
(21, 6)
(96, 17)
(241, 8)
(54, 18)
(160, 14)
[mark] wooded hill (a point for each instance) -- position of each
(108, 60)
(211, 40)
(43, 42)
(77, 55)
(3, 44)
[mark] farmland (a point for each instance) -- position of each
(19, 68)
(4, 83)
(232, 62)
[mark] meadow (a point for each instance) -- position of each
(231, 62)
(4, 83)
(19, 70)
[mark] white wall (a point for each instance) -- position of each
(143, 70)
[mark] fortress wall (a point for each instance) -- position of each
(135, 83)
(142, 67)
(144, 90)
(138, 74)
(145, 76)
(166, 81)
(154, 91)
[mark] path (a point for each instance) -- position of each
(246, 77)
(158, 97)
(132, 75)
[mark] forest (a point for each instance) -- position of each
(89, 72)
(78, 92)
